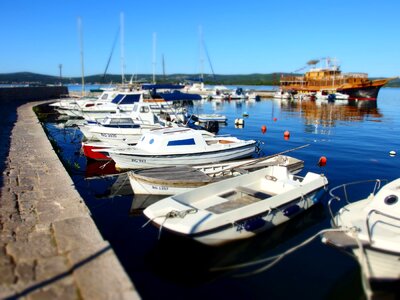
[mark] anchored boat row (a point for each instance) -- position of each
(218, 196)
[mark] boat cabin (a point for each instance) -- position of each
(171, 140)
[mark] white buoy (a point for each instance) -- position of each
(392, 153)
(239, 122)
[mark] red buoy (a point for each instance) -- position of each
(275, 119)
(263, 129)
(286, 134)
(322, 161)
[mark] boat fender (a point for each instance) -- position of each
(291, 210)
(254, 224)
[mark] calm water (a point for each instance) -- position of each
(356, 138)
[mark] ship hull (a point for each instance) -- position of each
(365, 93)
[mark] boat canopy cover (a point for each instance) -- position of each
(126, 98)
(179, 96)
(194, 79)
(162, 86)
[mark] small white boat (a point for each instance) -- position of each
(369, 228)
(238, 207)
(180, 146)
(331, 95)
(127, 128)
(177, 179)
(280, 94)
(204, 118)
(73, 107)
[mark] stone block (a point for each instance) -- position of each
(39, 245)
(99, 275)
(25, 273)
(75, 233)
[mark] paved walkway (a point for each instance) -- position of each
(49, 245)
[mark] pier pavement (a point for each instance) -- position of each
(49, 245)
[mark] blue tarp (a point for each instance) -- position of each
(126, 98)
(179, 96)
(162, 86)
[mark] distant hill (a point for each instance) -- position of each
(248, 79)
(245, 79)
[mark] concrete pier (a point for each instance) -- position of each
(49, 245)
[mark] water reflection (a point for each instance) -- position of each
(174, 252)
(328, 113)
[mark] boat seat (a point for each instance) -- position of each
(253, 193)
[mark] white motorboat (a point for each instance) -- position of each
(238, 207)
(204, 118)
(73, 107)
(280, 94)
(177, 179)
(122, 102)
(180, 146)
(331, 95)
(369, 228)
(127, 128)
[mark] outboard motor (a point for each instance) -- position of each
(239, 91)
(212, 126)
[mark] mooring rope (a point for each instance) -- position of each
(170, 215)
(276, 258)
(363, 266)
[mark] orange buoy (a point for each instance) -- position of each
(263, 129)
(322, 161)
(286, 134)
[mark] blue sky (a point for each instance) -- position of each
(242, 37)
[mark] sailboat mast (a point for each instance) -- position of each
(154, 57)
(81, 51)
(163, 66)
(122, 48)
(201, 53)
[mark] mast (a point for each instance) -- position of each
(81, 50)
(163, 66)
(154, 57)
(122, 48)
(201, 53)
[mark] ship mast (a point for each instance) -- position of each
(81, 51)
(154, 57)
(122, 48)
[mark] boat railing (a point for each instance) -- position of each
(358, 75)
(344, 189)
(374, 211)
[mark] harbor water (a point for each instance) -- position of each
(356, 138)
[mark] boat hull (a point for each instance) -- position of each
(88, 148)
(239, 207)
(382, 266)
(134, 161)
(365, 93)
(249, 227)
(159, 181)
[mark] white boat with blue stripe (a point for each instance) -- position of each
(238, 207)
(180, 146)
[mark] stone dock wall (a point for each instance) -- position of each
(49, 245)
(9, 94)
